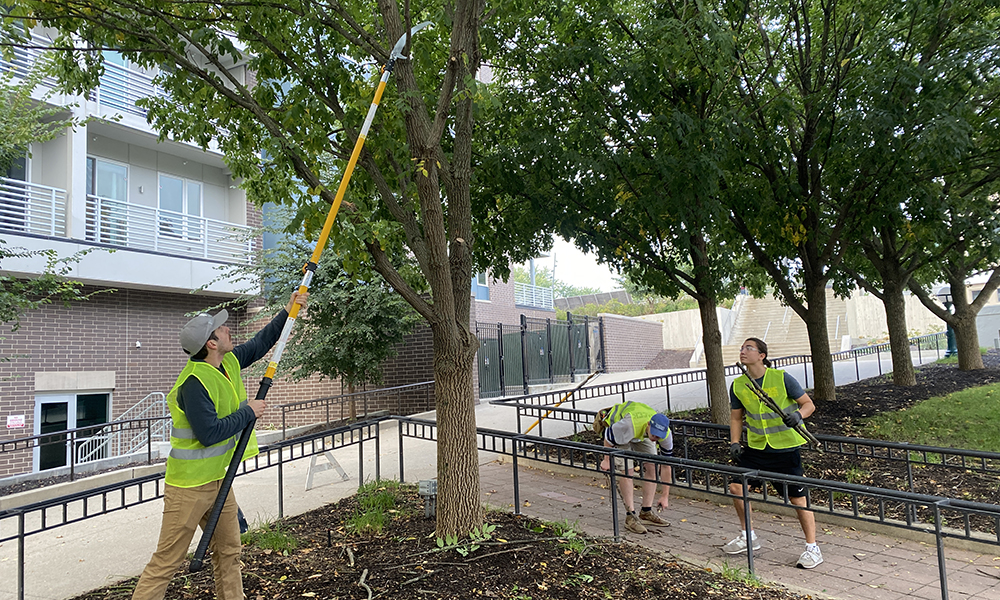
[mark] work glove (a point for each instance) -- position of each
(735, 450)
(792, 419)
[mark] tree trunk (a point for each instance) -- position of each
(825, 388)
(967, 340)
(899, 339)
(459, 509)
(711, 338)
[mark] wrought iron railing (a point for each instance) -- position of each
(129, 225)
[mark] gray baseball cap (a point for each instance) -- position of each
(199, 329)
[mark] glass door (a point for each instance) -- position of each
(57, 413)
(107, 189)
(180, 208)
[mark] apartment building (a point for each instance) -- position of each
(157, 219)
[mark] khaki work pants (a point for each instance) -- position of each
(184, 510)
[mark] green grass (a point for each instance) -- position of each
(378, 500)
(965, 419)
(270, 536)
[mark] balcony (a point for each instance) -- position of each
(32, 208)
(146, 228)
(532, 296)
(119, 89)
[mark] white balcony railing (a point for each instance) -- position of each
(146, 228)
(32, 208)
(121, 87)
(24, 59)
(532, 295)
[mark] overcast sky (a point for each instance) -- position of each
(579, 269)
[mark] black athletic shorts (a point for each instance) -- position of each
(786, 463)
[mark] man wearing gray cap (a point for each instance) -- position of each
(208, 410)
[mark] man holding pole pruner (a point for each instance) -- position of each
(208, 412)
(773, 440)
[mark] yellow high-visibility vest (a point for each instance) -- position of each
(191, 464)
(764, 426)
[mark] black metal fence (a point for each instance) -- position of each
(538, 351)
(931, 343)
(936, 516)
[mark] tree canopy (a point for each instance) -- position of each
(282, 89)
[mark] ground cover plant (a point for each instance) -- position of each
(378, 544)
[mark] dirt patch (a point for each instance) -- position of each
(521, 558)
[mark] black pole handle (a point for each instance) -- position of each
(197, 563)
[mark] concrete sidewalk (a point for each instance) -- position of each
(857, 564)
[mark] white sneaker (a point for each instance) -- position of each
(739, 545)
(810, 558)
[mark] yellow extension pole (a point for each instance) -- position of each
(197, 563)
(564, 398)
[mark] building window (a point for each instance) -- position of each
(107, 197)
(180, 208)
(480, 287)
(56, 413)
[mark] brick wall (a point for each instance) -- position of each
(101, 335)
(630, 343)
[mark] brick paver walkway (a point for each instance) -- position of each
(858, 564)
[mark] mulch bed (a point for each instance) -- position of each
(521, 559)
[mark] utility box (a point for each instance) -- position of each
(427, 489)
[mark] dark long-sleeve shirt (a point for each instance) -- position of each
(193, 398)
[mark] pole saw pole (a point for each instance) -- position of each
(197, 563)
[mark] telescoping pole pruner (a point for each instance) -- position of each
(310, 268)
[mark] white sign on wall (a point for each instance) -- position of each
(15, 421)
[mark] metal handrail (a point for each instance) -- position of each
(110, 442)
(346, 408)
(666, 381)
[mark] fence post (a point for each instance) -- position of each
(604, 349)
(517, 489)
(586, 341)
(399, 425)
(503, 383)
(942, 571)
(569, 330)
(20, 556)
(524, 352)
(548, 345)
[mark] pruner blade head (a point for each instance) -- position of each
(397, 50)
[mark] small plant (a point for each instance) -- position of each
(571, 538)
(856, 474)
(378, 500)
(738, 575)
(477, 536)
(270, 536)
(578, 579)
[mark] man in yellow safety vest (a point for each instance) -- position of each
(640, 428)
(208, 410)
